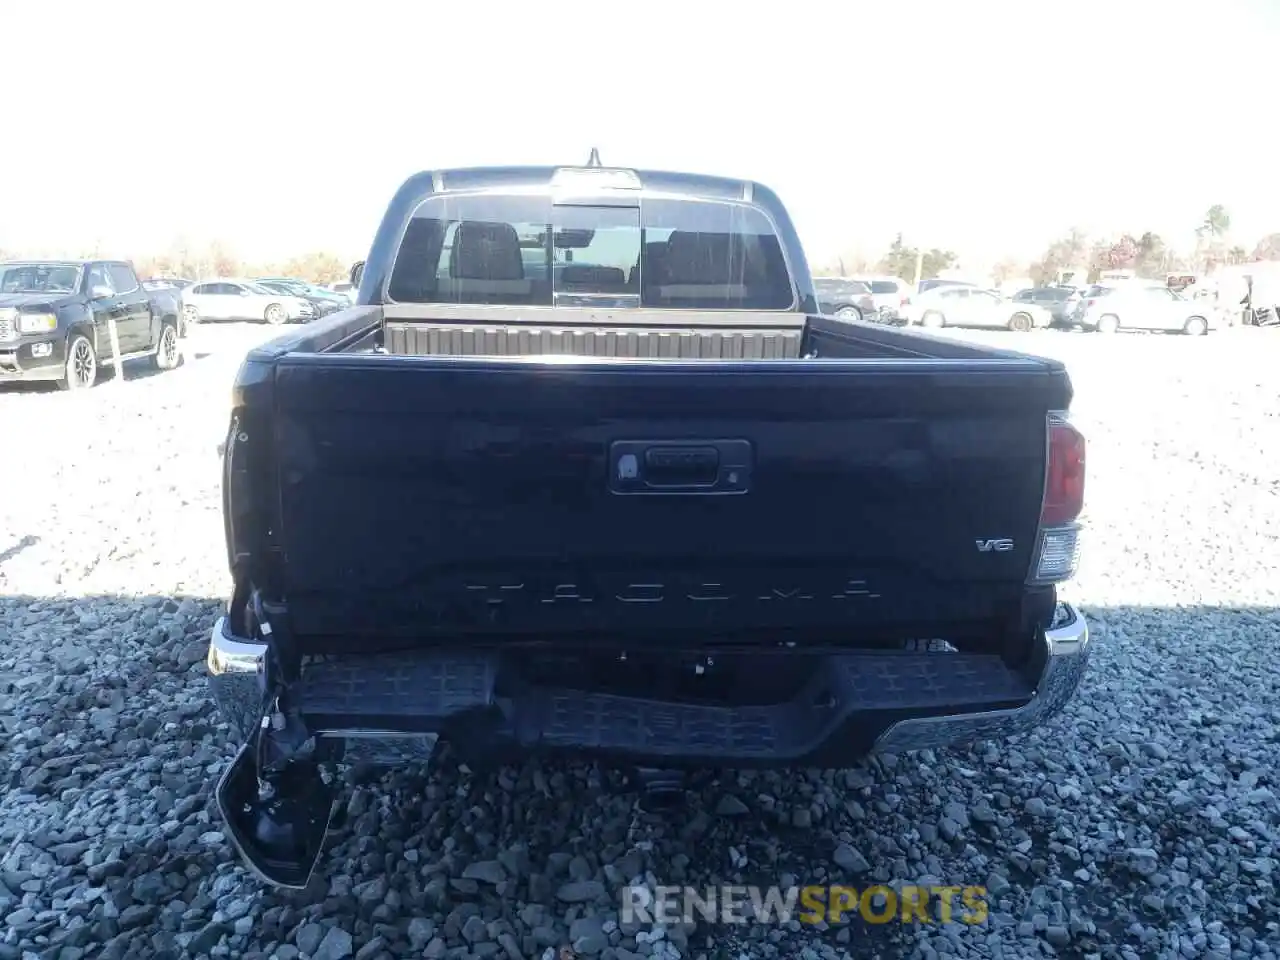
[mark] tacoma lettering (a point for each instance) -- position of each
(566, 591)
(712, 592)
(792, 594)
(496, 595)
(655, 591)
(854, 588)
(641, 593)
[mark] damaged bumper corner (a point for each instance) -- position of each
(236, 668)
(275, 820)
(1064, 656)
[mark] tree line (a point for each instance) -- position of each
(1147, 253)
(199, 262)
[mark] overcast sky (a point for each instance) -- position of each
(983, 126)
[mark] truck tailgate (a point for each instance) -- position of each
(434, 499)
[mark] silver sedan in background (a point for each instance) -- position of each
(963, 306)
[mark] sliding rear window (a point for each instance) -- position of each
(523, 250)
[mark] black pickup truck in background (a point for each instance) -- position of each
(55, 318)
(584, 471)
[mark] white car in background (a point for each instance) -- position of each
(230, 299)
(1144, 306)
(957, 306)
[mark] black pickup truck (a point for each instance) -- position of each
(584, 471)
(56, 318)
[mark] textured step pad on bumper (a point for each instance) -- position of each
(438, 692)
(386, 690)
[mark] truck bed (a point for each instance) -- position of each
(472, 331)
(433, 494)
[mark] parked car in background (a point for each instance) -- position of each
(229, 299)
(176, 284)
(1143, 306)
(1181, 281)
(56, 318)
(1007, 288)
(323, 305)
(964, 306)
(891, 295)
(844, 298)
(346, 288)
(300, 288)
(934, 283)
(1059, 301)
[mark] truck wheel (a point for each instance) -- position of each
(932, 318)
(1020, 323)
(82, 365)
(167, 355)
(191, 313)
(1195, 327)
(275, 315)
(1109, 323)
(849, 313)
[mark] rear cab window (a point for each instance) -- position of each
(883, 286)
(523, 250)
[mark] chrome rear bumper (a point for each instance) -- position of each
(1066, 648)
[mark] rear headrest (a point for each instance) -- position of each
(655, 253)
(486, 251)
(698, 258)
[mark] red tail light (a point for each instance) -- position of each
(1064, 483)
(1058, 548)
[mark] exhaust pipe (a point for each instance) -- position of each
(660, 789)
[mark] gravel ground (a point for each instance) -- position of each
(1145, 822)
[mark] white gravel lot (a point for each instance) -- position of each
(1144, 822)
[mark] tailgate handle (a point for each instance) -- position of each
(681, 466)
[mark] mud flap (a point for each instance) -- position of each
(281, 835)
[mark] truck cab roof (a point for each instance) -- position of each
(520, 179)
